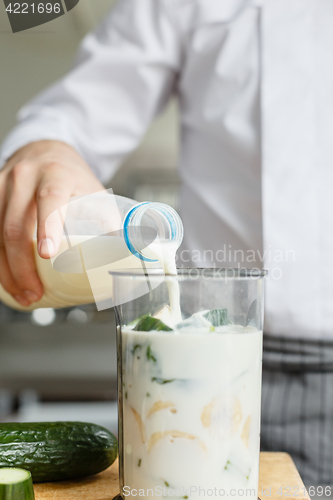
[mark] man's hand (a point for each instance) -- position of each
(37, 180)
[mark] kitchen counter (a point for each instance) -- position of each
(278, 479)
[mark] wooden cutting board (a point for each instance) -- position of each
(278, 479)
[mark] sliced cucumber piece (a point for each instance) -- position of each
(164, 315)
(16, 484)
(149, 323)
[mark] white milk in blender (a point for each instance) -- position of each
(191, 411)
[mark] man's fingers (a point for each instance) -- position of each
(18, 228)
(53, 192)
(8, 283)
(6, 277)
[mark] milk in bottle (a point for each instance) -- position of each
(102, 232)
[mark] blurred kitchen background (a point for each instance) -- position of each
(61, 365)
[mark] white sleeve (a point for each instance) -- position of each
(123, 76)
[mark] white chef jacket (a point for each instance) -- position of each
(255, 85)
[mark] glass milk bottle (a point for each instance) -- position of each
(101, 232)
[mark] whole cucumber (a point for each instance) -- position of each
(57, 451)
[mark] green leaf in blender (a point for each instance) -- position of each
(162, 381)
(150, 355)
(148, 323)
(133, 323)
(217, 317)
(137, 347)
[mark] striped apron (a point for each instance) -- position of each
(297, 404)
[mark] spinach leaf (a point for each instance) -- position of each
(148, 323)
(217, 317)
(150, 355)
(162, 381)
(136, 348)
(136, 321)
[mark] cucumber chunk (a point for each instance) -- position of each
(16, 484)
(195, 322)
(164, 315)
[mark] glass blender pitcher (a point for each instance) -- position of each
(189, 393)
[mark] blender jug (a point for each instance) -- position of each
(189, 393)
